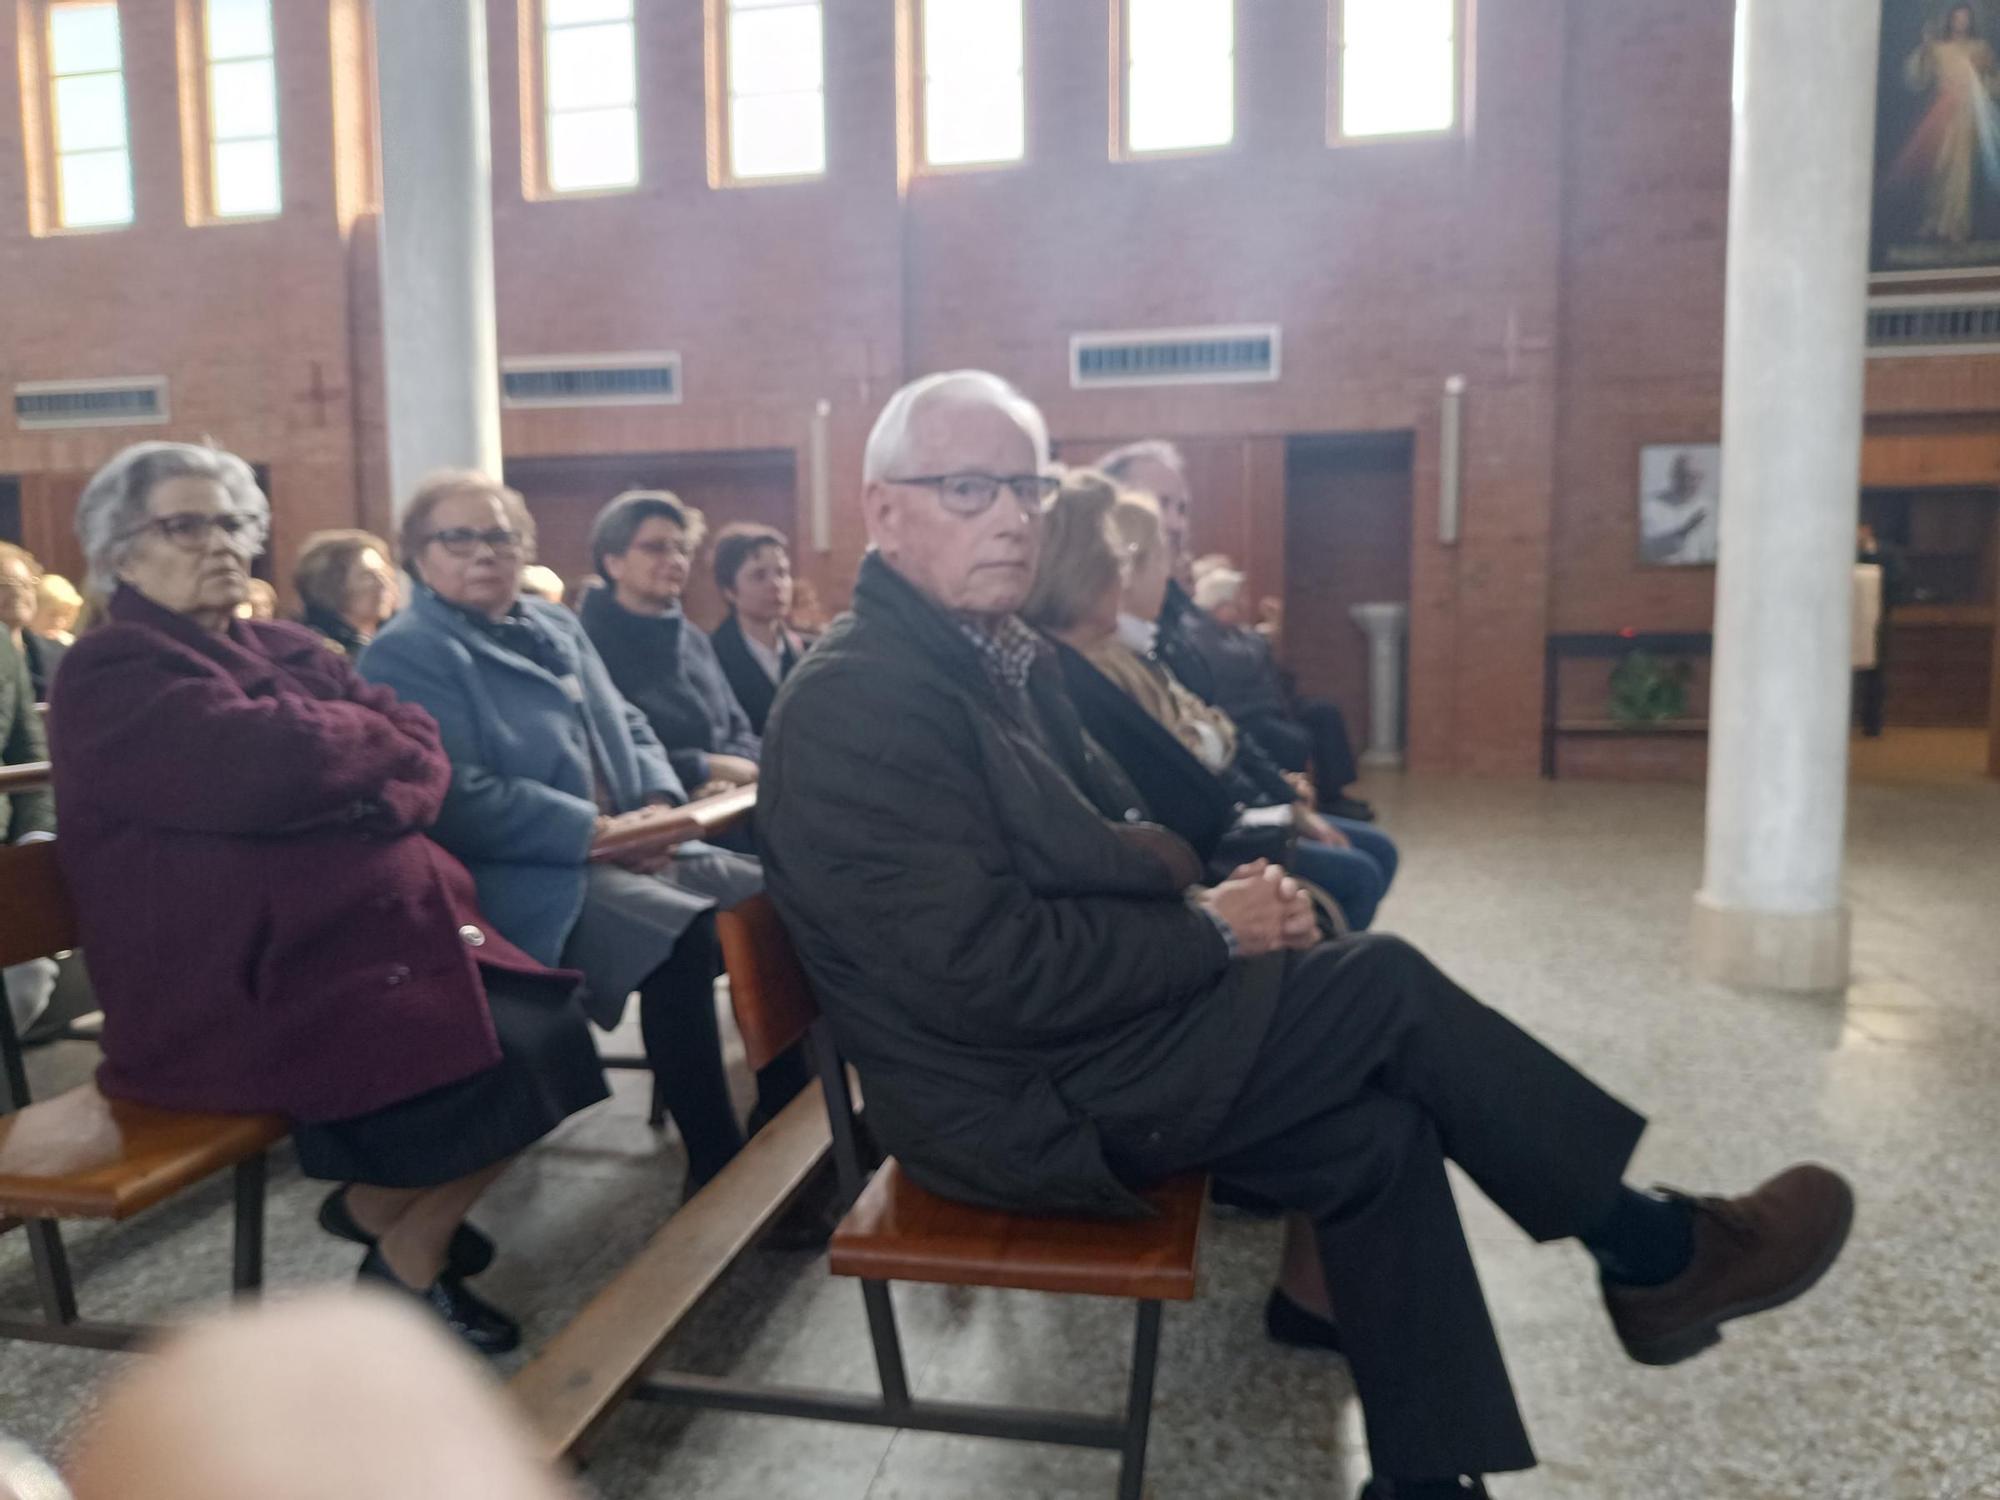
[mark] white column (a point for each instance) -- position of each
(1385, 626)
(1771, 912)
(437, 240)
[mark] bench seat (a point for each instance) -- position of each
(897, 1231)
(83, 1156)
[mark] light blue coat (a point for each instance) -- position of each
(520, 812)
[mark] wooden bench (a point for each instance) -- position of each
(895, 1231)
(83, 1156)
(692, 820)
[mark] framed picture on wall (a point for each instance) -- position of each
(1680, 490)
(1937, 139)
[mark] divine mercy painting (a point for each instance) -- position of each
(1937, 137)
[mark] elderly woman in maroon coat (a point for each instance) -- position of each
(268, 927)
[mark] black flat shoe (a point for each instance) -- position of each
(479, 1323)
(470, 1251)
(1288, 1323)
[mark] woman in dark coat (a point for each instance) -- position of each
(269, 927)
(643, 545)
(1089, 569)
(756, 645)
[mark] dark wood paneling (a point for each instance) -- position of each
(1347, 542)
(1940, 673)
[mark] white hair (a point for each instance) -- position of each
(114, 502)
(1217, 586)
(1120, 462)
(889, 439)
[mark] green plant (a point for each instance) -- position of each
(1647, 689)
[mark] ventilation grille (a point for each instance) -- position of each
(139, 402)
(1934, 325)
(1175, 356)
(592, 380)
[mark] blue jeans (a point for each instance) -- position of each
(1358, 877)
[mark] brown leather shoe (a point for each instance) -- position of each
(1751, 1254)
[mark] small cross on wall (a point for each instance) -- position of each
(320, 394)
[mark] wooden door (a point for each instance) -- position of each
(1347, 542)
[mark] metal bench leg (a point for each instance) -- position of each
(249, 1248)
(1139, 1405)
(888, 1346)
(52, 1279)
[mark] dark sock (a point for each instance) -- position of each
(1435, 1489)
(1645, 1240)
(684, 1047)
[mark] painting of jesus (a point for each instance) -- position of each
(1937, 182)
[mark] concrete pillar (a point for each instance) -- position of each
(1771, 912)
(442, 358)
(1385, 625)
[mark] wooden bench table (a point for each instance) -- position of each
(83, 1156)
(894, 1231)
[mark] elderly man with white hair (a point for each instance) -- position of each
(1227, 663)
(1048, 1014)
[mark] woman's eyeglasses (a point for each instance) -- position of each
(193, 530)
(974, 494)
(465, 541)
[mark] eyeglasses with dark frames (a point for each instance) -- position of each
(973, 494)
(465, 541)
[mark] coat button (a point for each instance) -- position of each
(474, 938)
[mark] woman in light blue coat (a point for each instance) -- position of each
(543, 749)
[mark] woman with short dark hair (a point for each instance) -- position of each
(756, 645)
(271, 928)
(643, 545)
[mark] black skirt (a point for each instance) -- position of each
(548, 1070)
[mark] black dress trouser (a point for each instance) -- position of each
(1376, 1070)
(1314, 738)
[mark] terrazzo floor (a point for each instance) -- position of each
(1565, 904)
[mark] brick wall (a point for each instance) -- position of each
(1564, 254)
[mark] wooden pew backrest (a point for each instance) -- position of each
(36, 917)
(774, 1003)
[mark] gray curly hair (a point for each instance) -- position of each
(114, 502)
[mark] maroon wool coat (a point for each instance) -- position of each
(266, 925)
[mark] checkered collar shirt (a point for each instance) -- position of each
(1007, 648)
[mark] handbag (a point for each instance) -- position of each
(1268, 833)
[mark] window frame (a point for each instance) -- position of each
(538, 114)
(40, 133)
(199, 139)
(721, 171)
(1122, 148)
(1336, 56)
(920, 97)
